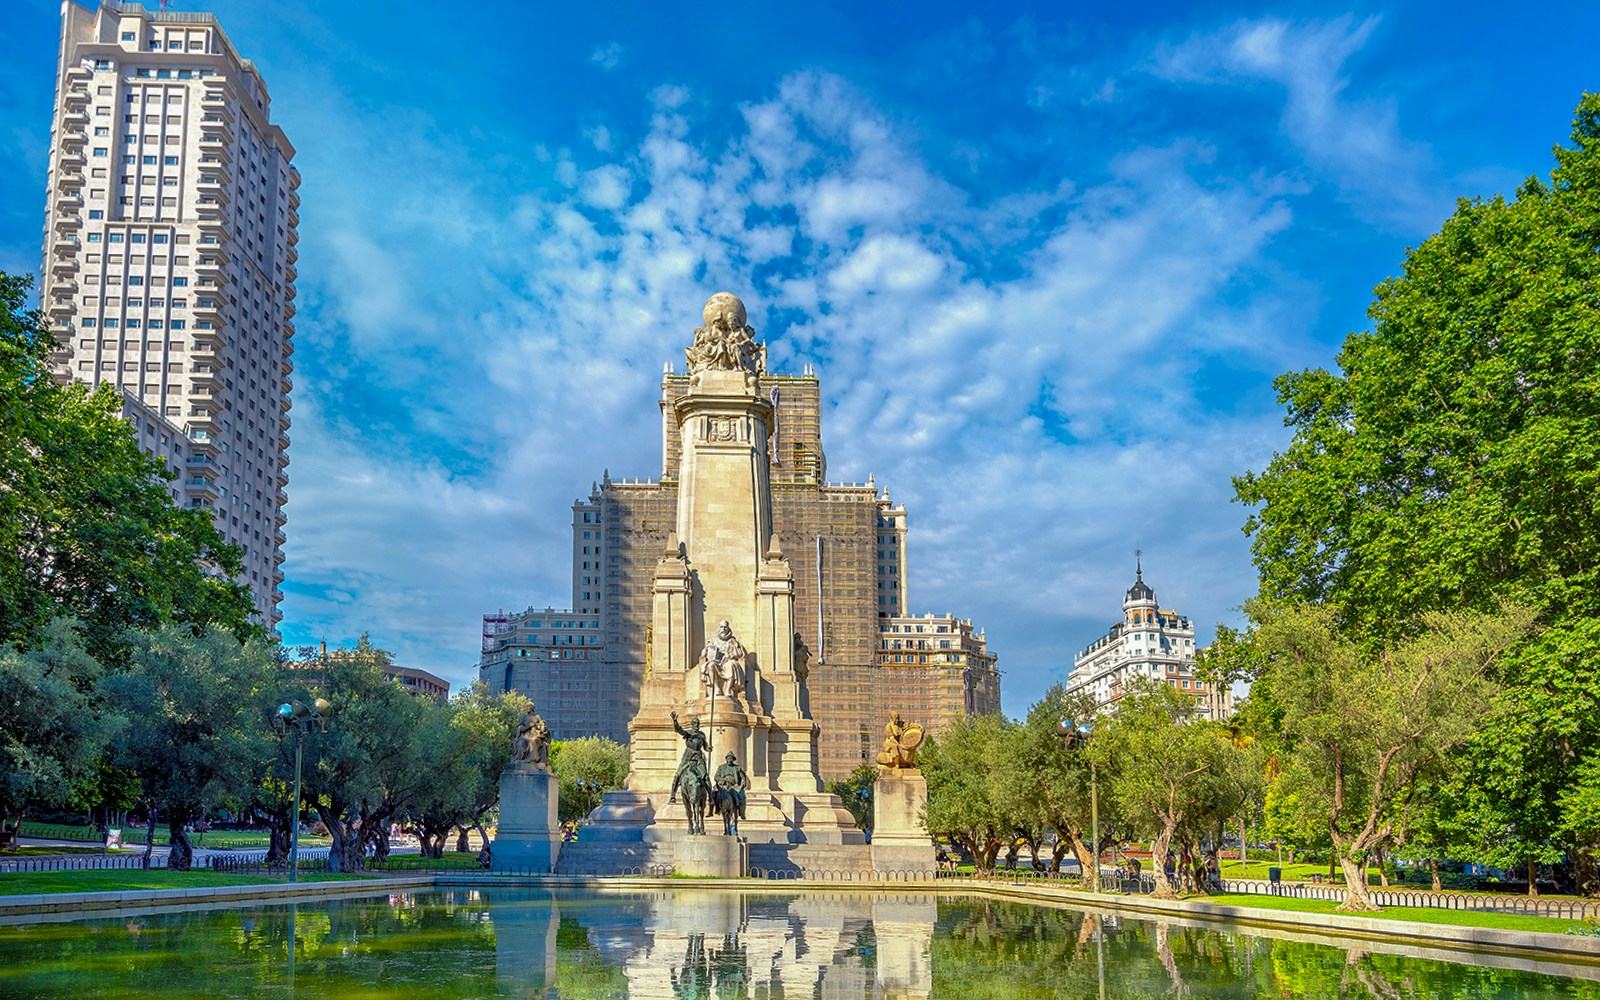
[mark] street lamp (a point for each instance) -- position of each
(293, 715)
(1079, 733)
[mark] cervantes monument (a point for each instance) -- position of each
(723, 639)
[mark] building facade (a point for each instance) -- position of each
(1150, 643)
(169, 260)
(583, 665)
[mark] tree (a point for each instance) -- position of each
(856, 794)
(1453, 462)
(373, 762)
(1051, 781)
(1165, 765)
(87, 527)
(1365, 726)
(466, 783)
(599, 763)
(966, 799)
(52, 732)
(196, 723)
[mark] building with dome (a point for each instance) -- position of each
(1148, 642)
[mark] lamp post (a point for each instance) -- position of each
(1079, 733)
(293, 715)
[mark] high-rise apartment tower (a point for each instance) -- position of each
(169, 259)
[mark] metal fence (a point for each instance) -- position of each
(1531, 906)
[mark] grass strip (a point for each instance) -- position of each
(1413, 914)
(127, 880)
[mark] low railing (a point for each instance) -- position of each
(1531, 906)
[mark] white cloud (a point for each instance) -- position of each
(1356, 142)
(608, 57)
(1036, 424)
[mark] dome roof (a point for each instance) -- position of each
(1140, 591)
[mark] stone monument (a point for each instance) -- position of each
(722, 636)
(899, 799)
(530, 833)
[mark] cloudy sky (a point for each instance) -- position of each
(1045, 260)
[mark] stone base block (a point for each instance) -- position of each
(530, 833)
(713, 855)
(904, 857)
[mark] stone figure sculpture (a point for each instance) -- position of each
(802, 657)
(691, 774)
(900, 742)
(728, 797)
(726, 342)
(531, 748)
(722, 663)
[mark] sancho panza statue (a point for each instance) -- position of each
(531, 748)
(900, 742)
(722, 663)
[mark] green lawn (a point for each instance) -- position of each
(53, 852)
(216, 839)
(120, 880)
(1291, 873)
(1415, 914)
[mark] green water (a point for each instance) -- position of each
(695, 943)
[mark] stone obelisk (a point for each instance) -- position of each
(723, 637)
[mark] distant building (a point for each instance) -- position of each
(169, 260)
(419, 682)
(1151, 643)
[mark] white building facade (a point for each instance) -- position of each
(169, 259)
(1151, 643)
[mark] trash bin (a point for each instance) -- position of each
(1274, 875)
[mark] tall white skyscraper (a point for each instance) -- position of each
(169, 259)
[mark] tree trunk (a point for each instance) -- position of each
(1586, 869)
(149, 836)
(279, 832)
(462, 844)
(1356, 897)
(345, 853)
(1433, 866)
(1083, 852)
(180, 853)
(1533, 877)
(1383, 871)
(1160, 849)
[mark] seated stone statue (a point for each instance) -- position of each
(900, 742)
(722, 663)
(531, 748)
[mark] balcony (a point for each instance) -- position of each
(202, 429)
(69, 200)
(212, 184)
(283, 460)
(199, 461)
(214, 104)
(288, 366)
(76, 116)
(294, 178)
(293, 237)
(288, 310)
(288, 385)
(289, 293)
(72, 155)
(278, 516)
(291, 273)
(203, 377)
(294, 219)
(210, 267)
(60, 307)
(283, 440)
(197, 486)
(284, 422)
(69, 223)
(208, 310)
(215, 228)
(207, 341)
(280, 538)
(294, 200)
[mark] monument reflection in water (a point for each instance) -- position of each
(683, 943)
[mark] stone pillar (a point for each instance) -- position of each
(899, 841)
(530, 833)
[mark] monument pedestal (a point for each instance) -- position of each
(713, 854)
(530, 833)
(899, 842)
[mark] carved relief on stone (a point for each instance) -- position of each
(722, 428)
(726, 342)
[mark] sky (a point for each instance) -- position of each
(1045, 258)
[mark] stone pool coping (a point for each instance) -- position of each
(55, 902)
(1565, 946)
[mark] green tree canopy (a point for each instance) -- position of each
(87, 527)
(1453, 462)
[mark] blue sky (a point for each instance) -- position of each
(1046, 259)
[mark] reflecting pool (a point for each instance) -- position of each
(696, 943)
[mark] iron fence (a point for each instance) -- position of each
(1530, 906)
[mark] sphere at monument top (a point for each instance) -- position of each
(727, 307)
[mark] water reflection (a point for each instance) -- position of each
(531, 942)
